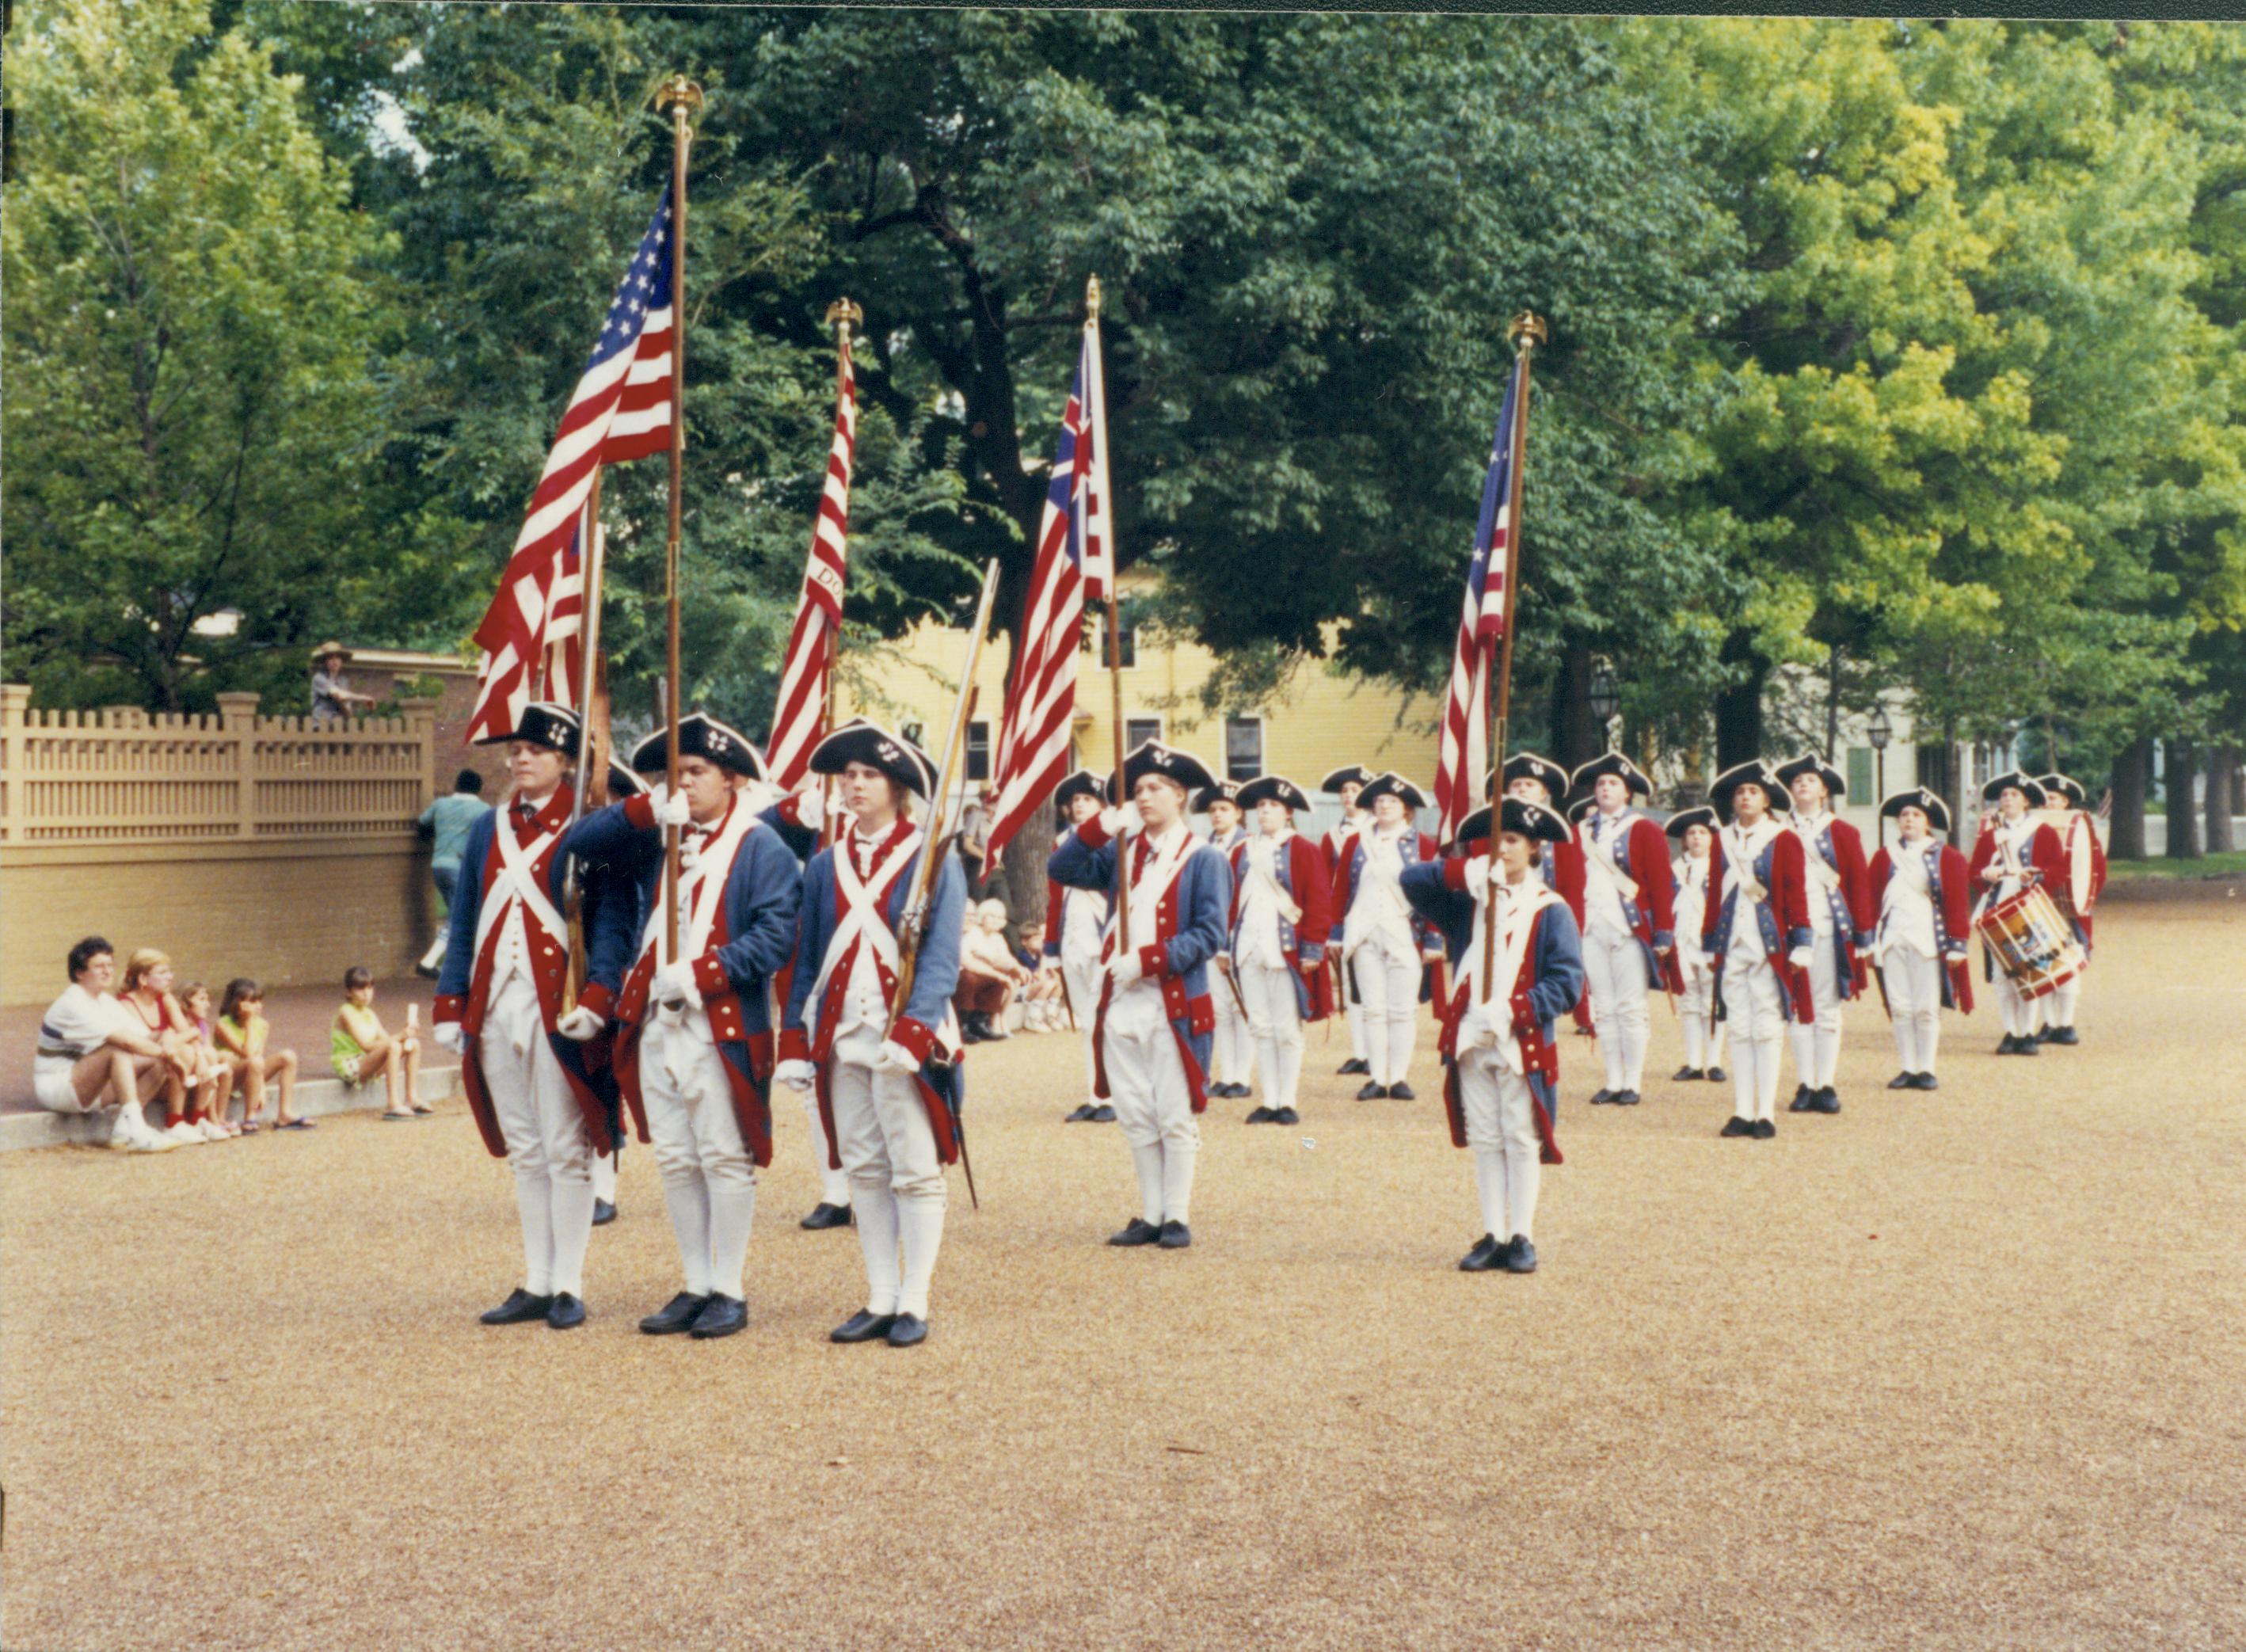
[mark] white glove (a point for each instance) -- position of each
(799, 1076)
(670, 811)
(811, 807)
(1800, 956)
(1477, 876)
(1124, 817)
(1123, 970)
(894, 1058)
(448, 1034)
(674, 983)
(580, 1024)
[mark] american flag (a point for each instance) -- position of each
(621, 409)
(1465, 752)
(801, 720)
(1075, 564)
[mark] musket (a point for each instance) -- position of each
(941, 837)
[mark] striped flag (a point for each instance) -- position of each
(799, 720)
(1465, 757)
(1075, 564)
(621, 409)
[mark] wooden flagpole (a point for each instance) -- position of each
(592, 788)
(682, 96)
(1114, 651)
(1527, 330)
(841, 315)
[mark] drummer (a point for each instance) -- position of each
(2076, 893)
(2015, 851)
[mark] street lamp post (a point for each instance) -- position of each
(1881, 731)
(1605, 697)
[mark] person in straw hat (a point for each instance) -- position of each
(332, 697)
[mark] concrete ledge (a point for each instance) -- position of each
(316, 1098)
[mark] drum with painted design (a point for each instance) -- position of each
(2033, 944)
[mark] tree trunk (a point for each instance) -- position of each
(1576, 736)
(1833, 704)
(1738, 709)
(2221, 797)
(2131, 772)
(1961, 829)
(2183, 826)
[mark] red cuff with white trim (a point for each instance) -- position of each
(710, 977)
(794, 1044)
(1455, 874)
(598, 999)
(913, 1035)
(1154, 960)
(639, 812)
(447, 1007)
(1094, 834)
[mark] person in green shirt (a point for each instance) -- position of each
(446, 822)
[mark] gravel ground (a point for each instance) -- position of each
(1949, 1370)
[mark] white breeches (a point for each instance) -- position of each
(1146, 1079)
(709, 1180)
(1695, 1013)
(1233, 1054)
(1755, 1007)
(1913, 983)
(1387, 969)
(897, 1179)
(2022, 1015)
(1082, 976)
(1817, 1044)
(1501, 1119)
(547, 1147)
(2057, 1007)
(604, 1176)
(1274, 1021)
(1614, 966)
(833, 1185)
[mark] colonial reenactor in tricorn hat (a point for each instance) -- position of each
(1076, 922)
(1153, 1018)
(1501, 1083)
(1841, 920)
(534, 1066)
(1346, 783)
(1544, 782)
(1382, 949)
(1234, 1046)
(1756, 933)
(888, 1075)
(695, 1058)
(2066, 813)
(1281, 915)
(1694, 831)
(1924, 894)
(2014, 850)
(1629, 934)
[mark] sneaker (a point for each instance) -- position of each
(185, 1134)
(214, 1131)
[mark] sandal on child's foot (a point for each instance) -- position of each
(387, 1116)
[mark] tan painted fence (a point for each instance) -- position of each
(241, 844)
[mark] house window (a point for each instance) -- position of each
(1097, 641)
(978, 749)
(1860, 775)
(1243, 747)
(1137, 731)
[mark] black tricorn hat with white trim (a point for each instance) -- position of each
(1755, 772)
(1621, 767)
(2014, 781)
(1809, 763)
(1532, 820)
(543, 722)
(1219, 792)
(860, 741)
(1083, 783)
(701, 736)
(1355, 774)
(2071, 790)
(623, 783)
(1684, 819)
(1578, 808)
(1182, 768)
(1392, 785)
(1277, 788)
(1527, 766)
(1928, 803)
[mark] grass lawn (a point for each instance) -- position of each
(2208, 865)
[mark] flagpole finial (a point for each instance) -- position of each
(843, 313)
(679, 92)
(1527, 330)
(1092, 299)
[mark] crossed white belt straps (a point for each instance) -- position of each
(517, 878)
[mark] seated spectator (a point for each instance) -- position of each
(446, 822)
(196, 999)
(242, 1032)
(988, 974)
(193, 1086)
(1042, 1008)
(92, 1055)
(361, 1049)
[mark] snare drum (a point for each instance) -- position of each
(2032, 942)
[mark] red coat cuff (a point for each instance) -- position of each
(1094, 834)
(710, 977)
(1455, 874)
(1154, 960)
(640, 811)
(794, 1044)
(447, 1007)
(598, 999)
(913, 1035)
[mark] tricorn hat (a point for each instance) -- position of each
(701, 736)
(2014, 781)
(1684, 819)
(1808, 763)
(1621, 767)
(1755, 772)
(1277, 788)
(1527, 766)
(1218, 792)
(1083, 783)
(1532, 820)
(860, 741)
(1578, 808)
(2071, 790)
(1182, 768)
(543, 722)
(1929, 803)
(1392, 785)
(1354, 774)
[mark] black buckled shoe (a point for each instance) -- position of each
(2061, 1036)
(720, 1316)
(1764, 1129)
(1717, 1075)
(1103, 1114)
(1520, 1256)
(1736, 1126)
(520, 1308)
(1259, 1115)
(1925, 1081)
(1685, 1074)
(864, 1326)
(2008, 1046)
(604, 1212)
(1175, 1236)
(824, 1216)
(675, 1316)
(2027, 1047)
(1486, 1255)
(1625, 1098)
(1285, 1116)
(1903, 1081)
(1082, 1113)
(1137, 1231)
(1354, 1064)
(1825, 1100)
(567, 1314)
(1401, 1092)
(1804, 1099)
(907, 1330)
(1601, 1097)
(1373, 1092)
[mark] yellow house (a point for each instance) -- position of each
(1318, 722)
